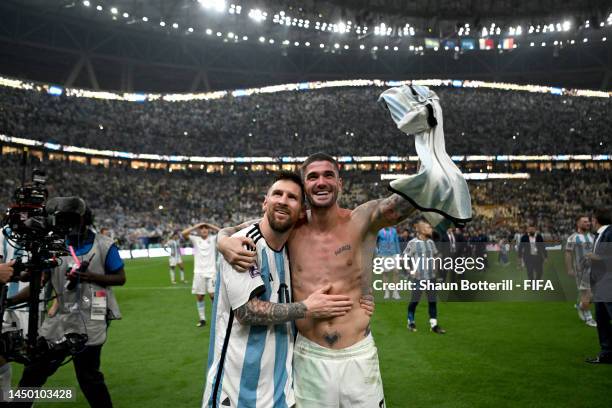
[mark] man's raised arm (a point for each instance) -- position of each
(389, 211)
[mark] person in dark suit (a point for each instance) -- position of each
(601, 283)
(449, 247)
(532, 252)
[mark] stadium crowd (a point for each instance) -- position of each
(339, 121)
(143, 206)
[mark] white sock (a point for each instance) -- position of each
(433, 322)
(581, 314)
(201, 310)
(588, 315)
(172, 276)
(5, 378)
(182, 274)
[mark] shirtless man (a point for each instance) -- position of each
(335, 360)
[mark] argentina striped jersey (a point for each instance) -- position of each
(250, 366)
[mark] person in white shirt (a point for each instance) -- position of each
(203, 264)
(173, 246)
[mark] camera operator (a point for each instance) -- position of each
(82, 283)
(12, 319)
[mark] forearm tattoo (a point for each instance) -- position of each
(258, 312)
(394, 209)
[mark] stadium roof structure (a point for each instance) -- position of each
(204, 45)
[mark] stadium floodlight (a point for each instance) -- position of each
(174, 25)
(230, 35)
(531, 29)
(321, 45)
(208, 31)
(114, 10)
(86, 3)
(604, 39)
(386, 47)
(145, 19)
(99, 8)
(531, 44)
(125, 15)
(219, 34)
(258, 15)
(375, 48)
(585, 40)
(395, 48)
(162, 23)
(361, 46)
(346, 47)
(286, 42)
(262, 39)
(271, 40)
(297, 44)
(307, 43)
(336, 45)
(215, 5)
(55, 90)
(543, 44)
(519, 30)
(341, 27)
(190, 29)
(244, 38)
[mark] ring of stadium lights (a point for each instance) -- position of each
(259, 16)
(135, 97)
(178, 159)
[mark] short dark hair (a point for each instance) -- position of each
(420, 219)
(291, 176)
(579, 216)
(318, 157)
(602, 215)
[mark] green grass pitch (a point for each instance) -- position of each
(495, 354)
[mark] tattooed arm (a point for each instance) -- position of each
(318, 305)
(259, 312)
(389, 211)
(229, 231)
(233, 248)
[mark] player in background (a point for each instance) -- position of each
(204, 261)
(173, 246)
(577, 246)
(423, 249)
(387, 245)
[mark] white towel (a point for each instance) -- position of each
(438, 189)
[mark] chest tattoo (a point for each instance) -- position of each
(345, 247)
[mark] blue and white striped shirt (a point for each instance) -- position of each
(250, 366)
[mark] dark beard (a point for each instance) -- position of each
(279, 226)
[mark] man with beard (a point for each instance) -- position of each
(335, 359)
(251, 340)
